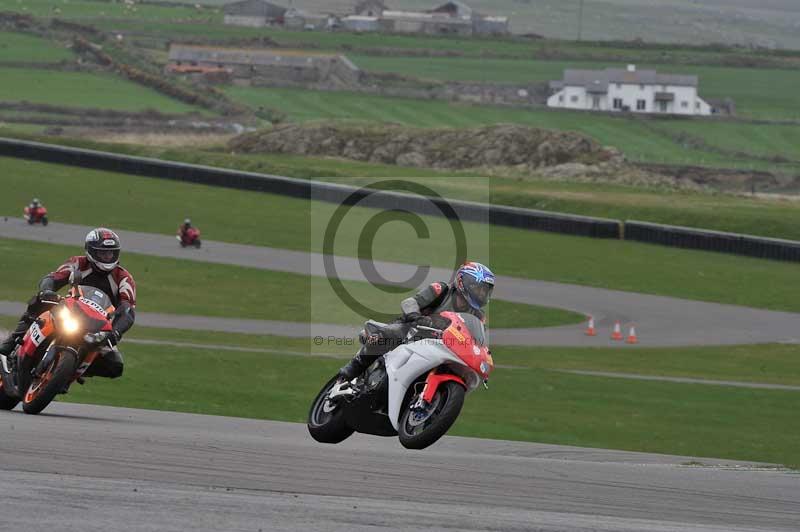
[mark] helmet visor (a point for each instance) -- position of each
(104, 255)
(478, 292)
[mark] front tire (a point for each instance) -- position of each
(419, 429)
(55, 379)
(326, 424)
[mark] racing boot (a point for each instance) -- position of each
(357, 365)
(8, 345)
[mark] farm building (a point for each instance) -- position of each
(254, 13)
(638, 91)
(266, 67)
(298, 19)
(450, 18)
(370, 8)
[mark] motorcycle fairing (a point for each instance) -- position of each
(409, 361)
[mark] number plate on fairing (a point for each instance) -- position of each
(37, 337)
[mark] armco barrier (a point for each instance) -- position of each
(301, 188)
(685, 237)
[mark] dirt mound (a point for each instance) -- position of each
(493, 146)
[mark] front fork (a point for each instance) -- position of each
(432, 384)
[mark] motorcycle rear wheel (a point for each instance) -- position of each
(327, 426)
(446, 404)
(44, 389)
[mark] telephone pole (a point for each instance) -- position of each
(580, 21)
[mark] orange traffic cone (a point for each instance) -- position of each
(632, 339)
(590, 330)
(617, 334)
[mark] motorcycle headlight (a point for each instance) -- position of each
(68, 322)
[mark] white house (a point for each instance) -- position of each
(638, 91)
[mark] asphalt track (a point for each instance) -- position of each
(90, 468)
(660, 321)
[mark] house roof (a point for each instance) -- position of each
(254, 8)
(455, 8)
(598, 78)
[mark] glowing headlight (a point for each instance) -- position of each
(68, 323)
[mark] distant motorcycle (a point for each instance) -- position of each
(57, 349)
(36, 215)
(415, 391)
(190, 237)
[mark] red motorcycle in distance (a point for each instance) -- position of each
(57, 349)
(190, 237)
(35, 215)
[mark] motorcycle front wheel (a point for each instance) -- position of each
(55, 378)
(421, 427)
(6, 401)
(326, 422)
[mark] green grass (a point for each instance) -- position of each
(22, 47)
(550, 407)
(193, 288)
(720, 212)
(637, 138)
(87, 10)
(154, 205)
(79, 89)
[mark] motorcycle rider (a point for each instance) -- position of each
(33, 208)
(100, 268)
(184, 228)
(471, 290)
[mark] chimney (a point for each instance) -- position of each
(631, 68)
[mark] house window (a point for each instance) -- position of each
(619, 85)
(641, 105)
(561, 98)
(641, 87)
(663, 106)
(617, 103)
(685, 105)
(697, 105)
(595, 102)
(574, 98)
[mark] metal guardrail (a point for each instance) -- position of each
(666, 235)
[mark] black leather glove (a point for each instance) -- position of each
(47, 295)
(424, 321)
(412, 317)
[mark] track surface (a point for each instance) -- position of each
(661, 321)
(80, 467)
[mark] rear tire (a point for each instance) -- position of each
(330, 426)
(450, 396)
(6, 402)
(43, 390)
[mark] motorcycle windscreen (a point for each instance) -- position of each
(97, 296)
(475, 327)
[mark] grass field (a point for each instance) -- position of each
(98, 91)
(721, 212)
(87, 10)
(192, 288)
(22, 47)
(144, 204)
(549, 406)
(640, 140)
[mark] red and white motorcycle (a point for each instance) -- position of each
(415, 391)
